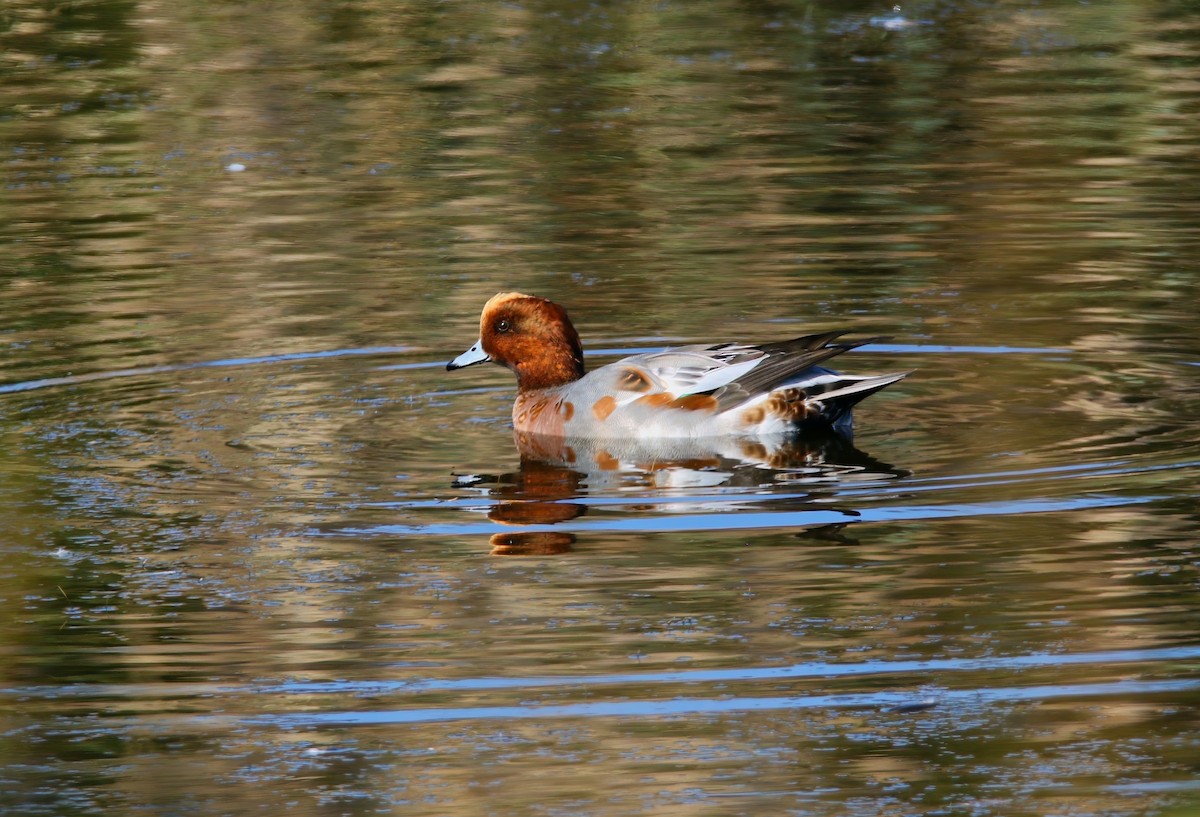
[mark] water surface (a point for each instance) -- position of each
(262, 551)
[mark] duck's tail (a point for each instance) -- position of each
(830, 398)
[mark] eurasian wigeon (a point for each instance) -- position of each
(725, 389)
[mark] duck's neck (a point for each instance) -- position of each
(551, 369)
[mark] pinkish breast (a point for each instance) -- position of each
(542, 413)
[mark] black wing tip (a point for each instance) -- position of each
(854, 344)
(819, 341)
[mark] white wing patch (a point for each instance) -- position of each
(717, 377)
(697, 369)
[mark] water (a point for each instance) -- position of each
(262, 551)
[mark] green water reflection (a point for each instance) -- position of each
(318, 198)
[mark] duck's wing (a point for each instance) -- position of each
(792, 363)
(685, 371)
(730, 372)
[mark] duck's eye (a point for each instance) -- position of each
(503, 326)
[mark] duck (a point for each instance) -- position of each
(699, 391)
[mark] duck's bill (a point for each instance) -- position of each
(469, 358)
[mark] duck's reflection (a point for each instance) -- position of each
(558, 475)
(535, 496)
(596, 465)
(532, 543)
